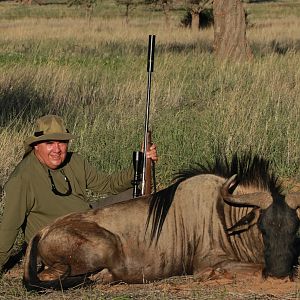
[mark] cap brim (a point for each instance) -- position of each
(49, 137)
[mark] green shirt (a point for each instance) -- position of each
(30, 203)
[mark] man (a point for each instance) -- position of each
(51, 182)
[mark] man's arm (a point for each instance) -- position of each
(116, 182)
(108, 184)
(14, 214)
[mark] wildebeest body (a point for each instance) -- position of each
(115, 241)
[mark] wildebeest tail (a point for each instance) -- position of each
(31, 280)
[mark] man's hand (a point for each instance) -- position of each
(152, 153)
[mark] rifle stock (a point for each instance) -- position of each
(148, 177)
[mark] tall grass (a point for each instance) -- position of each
(94, 74)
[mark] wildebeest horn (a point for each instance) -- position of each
(293, 200)
(260, 199)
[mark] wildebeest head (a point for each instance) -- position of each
(277, 219)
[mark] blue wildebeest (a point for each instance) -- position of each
(201, 223)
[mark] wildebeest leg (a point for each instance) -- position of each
(80, 248)
(238, 267)
(104, 276)
(54, 272)
(225, 268)
(210, 273)
(229, 271)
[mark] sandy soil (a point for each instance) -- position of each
(188, 287)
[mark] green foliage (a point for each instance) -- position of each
(87, 3)
(129, 2)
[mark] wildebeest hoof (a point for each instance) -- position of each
(103, 276)
(221, 273)
(213, 274)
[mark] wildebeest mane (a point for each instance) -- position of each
(252, 170)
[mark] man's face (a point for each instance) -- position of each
(51, 153)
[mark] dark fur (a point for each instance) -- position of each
(279, 225)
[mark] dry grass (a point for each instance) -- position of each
(93, 70)
(183, 287)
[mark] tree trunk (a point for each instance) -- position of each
(166, 10)
(230, 30)
(127, 13)
(195, 20)
(29, 2)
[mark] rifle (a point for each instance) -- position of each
(143, 165)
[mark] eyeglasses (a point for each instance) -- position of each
(54, 190)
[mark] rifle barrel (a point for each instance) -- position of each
(150, 68)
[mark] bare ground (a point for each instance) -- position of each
(183, 287)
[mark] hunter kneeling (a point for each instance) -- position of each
(51, 182)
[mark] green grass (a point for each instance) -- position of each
(274, 10)
(102, 9)
(103, 82)
(195, 107)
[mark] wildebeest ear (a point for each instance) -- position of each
(245, 222)
(293, 200)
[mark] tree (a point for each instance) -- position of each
(129, 5)
(230, 30)
(88, 5)
(195, 7)
(165, 5)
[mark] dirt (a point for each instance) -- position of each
(260, 286)
(189, 288)
(183, 287)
